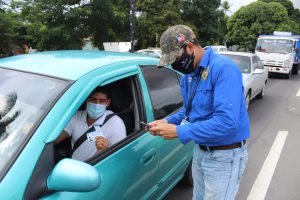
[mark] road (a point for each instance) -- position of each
(273, 170)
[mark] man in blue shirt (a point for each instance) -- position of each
(214, 114)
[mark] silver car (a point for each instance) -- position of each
(255, 74)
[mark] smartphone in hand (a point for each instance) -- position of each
(145, 124)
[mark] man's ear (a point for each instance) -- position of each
(108, 103)
(190, 47)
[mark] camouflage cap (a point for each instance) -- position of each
(171, 42)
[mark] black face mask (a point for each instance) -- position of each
(185, 64)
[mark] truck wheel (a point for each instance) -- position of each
(295, 69)
(289, 75)
(262, 93)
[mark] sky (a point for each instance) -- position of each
(236, 4)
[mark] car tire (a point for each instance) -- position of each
(247, 99)
(188, 177)
(262, 93)
(289, 75)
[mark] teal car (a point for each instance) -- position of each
(41, 92)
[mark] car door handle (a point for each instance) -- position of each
(148, 157)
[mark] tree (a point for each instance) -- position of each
(109, 21)
(55, 24)
(294, 14)
(206, 18)
(286, 3)
(255, 19)
(154, 18)
(226, 7)
(12, 32)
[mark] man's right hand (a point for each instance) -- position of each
(156, 123)
(101, 143)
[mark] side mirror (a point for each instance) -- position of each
(73, 176)
(297, 50)
(257, 71)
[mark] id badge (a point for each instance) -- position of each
(93, 134)
(184, 122)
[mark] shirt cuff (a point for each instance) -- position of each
(171, 120)
(182, 132)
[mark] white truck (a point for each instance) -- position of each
(279, 52)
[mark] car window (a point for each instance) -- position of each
(260, 65)
(255, 64)
(23, 103)
(163, 85)
(243, 62)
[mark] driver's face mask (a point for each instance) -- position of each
(184, 63)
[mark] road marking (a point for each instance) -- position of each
(298, 93)
(263, 180)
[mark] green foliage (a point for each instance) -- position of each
(286, 3)
(51, 25)
(226, 7)
(63, 24)
(155, 17)
(255, 19)
(109, 21)
(207, 20)
(12, 32)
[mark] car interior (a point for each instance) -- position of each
(123, 103)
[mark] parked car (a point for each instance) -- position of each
(39, 94)
(217, 48)
(255, 74)
(154, 52)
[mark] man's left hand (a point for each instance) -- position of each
(165, 130)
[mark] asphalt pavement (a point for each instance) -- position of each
(273, 169)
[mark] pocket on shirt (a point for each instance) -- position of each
(205, 99)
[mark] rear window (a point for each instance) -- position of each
(243, 62)
(24, 99)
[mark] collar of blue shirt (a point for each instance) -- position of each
(204, 61)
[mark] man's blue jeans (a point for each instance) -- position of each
(217, 174)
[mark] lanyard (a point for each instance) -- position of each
(192, 95)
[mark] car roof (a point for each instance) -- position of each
(236, 53)
(71, 64)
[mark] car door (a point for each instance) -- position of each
(260, 77)
(255, 83)
(128, 169)
(164, 90)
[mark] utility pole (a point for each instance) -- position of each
(132, 25)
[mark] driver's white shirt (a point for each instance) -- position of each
(113, 130)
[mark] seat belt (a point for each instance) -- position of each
(83, 137)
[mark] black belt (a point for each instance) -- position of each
(223, 147)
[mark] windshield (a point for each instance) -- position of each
(283, 46)
(243, 62)
(24, 98)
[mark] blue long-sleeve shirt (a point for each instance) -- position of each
(218, 114)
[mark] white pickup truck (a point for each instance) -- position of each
(279, 52)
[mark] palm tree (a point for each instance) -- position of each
(226, 7)
(5, 120)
